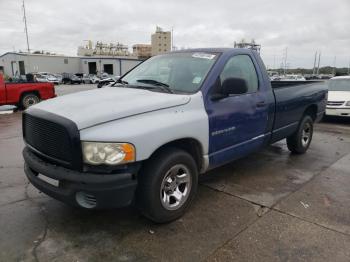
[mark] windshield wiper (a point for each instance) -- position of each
(120, 81)
(157, 83)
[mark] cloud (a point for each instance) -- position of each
(302, 26)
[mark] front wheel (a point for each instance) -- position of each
(300, 141)
(167, 185)
(29, 100)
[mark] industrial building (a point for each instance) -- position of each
(113, 58)
(15, 64)
(142, 51)
(103, 49)
(110, 65)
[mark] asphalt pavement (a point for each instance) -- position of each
(269, 206)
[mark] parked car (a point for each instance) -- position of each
(104, 75)
(24, 94)
(94, 79)
(338, 96)
(59, 78)
(71, 78)
(292, 78)
(146, 139)
(40, 78)
(84, 78)
(52, 79)
(107, 81)
(49, 77)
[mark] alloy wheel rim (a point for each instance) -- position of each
(31, 101)
(175, 187)
(306, 135)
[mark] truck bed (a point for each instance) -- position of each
(292, 98)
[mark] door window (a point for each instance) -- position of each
(241, 66)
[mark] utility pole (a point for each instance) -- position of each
(318, 65)
(314, 68)
(285, 60)
(25, 25)
(334, 62)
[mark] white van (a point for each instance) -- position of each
(338, 96)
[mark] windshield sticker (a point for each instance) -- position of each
(196, 80)
(203, 55)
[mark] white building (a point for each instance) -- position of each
(12, 64)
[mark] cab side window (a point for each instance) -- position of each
(241, 66)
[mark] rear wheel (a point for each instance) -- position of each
(167, 185)
(29, 100)
(300, 141)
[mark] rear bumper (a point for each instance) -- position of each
(106, 191)
(345, 112)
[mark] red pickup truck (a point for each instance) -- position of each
(24, 94)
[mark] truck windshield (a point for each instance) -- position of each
(339, 85)
(175, 72)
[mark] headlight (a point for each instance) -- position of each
(347, 103)
(96, 153)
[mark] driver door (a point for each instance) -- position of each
(238, 122)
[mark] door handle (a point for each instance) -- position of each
(260, 104)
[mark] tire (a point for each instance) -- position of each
(299, 142)
(29, 100)
(161, 180)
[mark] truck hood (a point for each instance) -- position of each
(338, 95)
(98, 106)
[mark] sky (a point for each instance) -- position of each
(301, 27)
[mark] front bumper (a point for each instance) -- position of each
(345, 112)
(105, 190)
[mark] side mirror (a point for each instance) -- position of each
(234, 86)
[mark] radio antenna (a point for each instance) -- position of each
(25, 25)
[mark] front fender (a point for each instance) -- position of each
(149, 131)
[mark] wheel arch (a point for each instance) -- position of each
(20, 104)
(190, 145)
(36, 92)
(311, 110)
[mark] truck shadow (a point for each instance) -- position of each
(336, 120)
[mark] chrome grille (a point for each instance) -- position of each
(335, 103)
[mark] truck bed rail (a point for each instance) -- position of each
(279, 84)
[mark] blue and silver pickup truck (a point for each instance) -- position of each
(146, 138)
